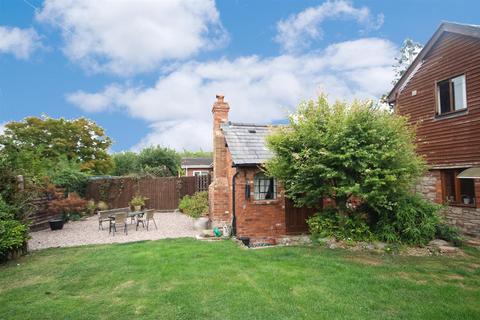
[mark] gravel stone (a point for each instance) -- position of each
(77, 233)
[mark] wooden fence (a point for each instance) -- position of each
(163, 193)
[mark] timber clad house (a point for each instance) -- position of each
(240, 194)
(440, 92)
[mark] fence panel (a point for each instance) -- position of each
(164, 193)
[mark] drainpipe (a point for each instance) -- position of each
(234, 218)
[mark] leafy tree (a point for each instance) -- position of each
(163, 159)
(79, 140)
(354, 153)
(126, 163)
(153, 161)
(340, 151)
(196, 154)
(408, 52)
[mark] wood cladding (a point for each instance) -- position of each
(453, 140)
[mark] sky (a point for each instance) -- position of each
(148, 71)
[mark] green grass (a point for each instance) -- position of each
(188, 279)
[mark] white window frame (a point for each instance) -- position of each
(452, 99)
(257, 192)
(200, 172)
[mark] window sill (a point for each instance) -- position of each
(265, 202)
(452, 114)
(461, 205)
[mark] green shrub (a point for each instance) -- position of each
(68, 175)
(448, 233)
(195, 205)
(329, 223)
(412, 220)
(6, 212)
(13, 235)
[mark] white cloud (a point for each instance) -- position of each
(258, 89)
(297, 31)
(2, 127)
(19, 42)
(127, 37)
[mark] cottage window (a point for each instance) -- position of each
(451, 95)
(457, 191)
(265, 188)
(200, 173)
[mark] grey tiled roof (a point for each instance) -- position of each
(192, 162)
(246, 142)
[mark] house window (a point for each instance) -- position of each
(457, 191)
(200, 173)
(265, 188)
(451, 95)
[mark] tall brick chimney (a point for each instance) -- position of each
(220, 115)
(219, 189)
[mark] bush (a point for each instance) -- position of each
(195, 205)
(448, 233)
(13, 236)
(358, 152)
(329, 223)
(72, 207)
(412, 220)
(69, 176)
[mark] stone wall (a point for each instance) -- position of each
(467, 219)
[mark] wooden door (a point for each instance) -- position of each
(296, 218)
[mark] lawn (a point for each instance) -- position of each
(188, 279)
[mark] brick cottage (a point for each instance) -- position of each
(440, 93)
(241, 195)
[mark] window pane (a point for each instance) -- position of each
(467, 191)
(444, 96)
(458, 88)
(449, 183)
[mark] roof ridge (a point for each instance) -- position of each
(246, 124)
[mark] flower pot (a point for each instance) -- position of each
(137, 208)
(56, 224)
(201, 223)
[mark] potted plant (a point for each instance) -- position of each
(196, 206)
(56, 224)
(138, 202)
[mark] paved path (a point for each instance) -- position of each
(170, 225)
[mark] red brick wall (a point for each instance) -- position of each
(262, 221)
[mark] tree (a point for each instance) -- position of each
(153, 161)
(408, 52)
(196, 154)
(159, 161)
(126, 163)
(79, 140)
(358, 154)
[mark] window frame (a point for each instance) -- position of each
(438, 112)
(200, 173)
(458, 202)
(260, 176)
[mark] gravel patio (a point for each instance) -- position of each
(76, 233)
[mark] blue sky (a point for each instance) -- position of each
(148, 71)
